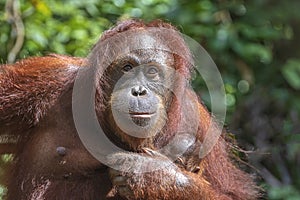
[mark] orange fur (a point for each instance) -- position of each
(35, 109)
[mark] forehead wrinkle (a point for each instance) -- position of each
(153, 56)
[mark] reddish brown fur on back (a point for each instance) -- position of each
(28, 89)
(46, 77)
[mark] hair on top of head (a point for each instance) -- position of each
(132, 24)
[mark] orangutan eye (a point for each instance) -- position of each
(127, 68)
(152, 71)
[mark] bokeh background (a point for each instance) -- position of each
(255, 44)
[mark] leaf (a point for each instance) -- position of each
(42, 7)
(252, 51)
(291, 73)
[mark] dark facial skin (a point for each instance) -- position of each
(142, 82)
(141, 91)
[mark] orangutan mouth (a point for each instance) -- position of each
(141, 118)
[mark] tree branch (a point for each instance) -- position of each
(12, 9)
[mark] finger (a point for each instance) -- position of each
(150, 152)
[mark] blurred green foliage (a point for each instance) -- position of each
(253, 42)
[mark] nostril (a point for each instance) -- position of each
(134, 91)
(138, 91)
(143, 92)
